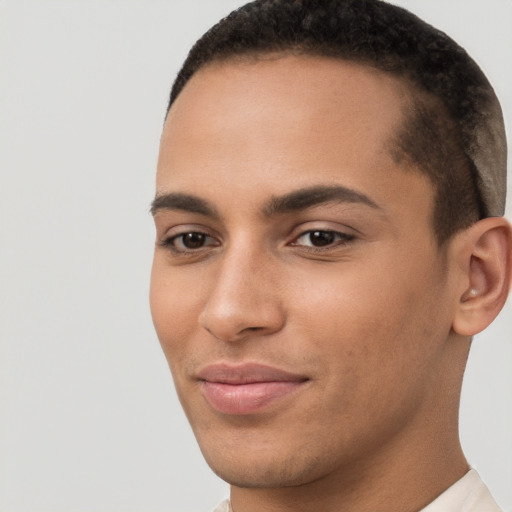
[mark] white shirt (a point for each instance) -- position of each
(469, 494)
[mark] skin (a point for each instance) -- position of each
(368, 319)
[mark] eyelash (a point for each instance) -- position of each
(170, 243)
(339, 239)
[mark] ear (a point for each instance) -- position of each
(484, 252)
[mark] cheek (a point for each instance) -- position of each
(174, 309)
(377, 353)
(376, 323)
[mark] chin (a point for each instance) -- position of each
(265, 468)
(270, 477)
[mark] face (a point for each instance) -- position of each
(297, 289)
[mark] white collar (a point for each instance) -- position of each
(469, 494)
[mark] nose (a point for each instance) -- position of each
(243, 298)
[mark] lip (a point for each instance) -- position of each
(247, 388)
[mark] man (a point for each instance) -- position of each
(330, 192)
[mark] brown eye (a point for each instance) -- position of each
(322, 238)
(193, 240)
(189, 242)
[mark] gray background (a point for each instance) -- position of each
(88, 417)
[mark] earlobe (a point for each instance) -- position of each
(485, 256)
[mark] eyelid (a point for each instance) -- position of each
(323, 225)
(169, 230)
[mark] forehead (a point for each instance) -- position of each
(275, 121)
(296, 89)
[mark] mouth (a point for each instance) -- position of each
(247, 388)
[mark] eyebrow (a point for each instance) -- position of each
(300, 199)
(305, 198)
(184, 202)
